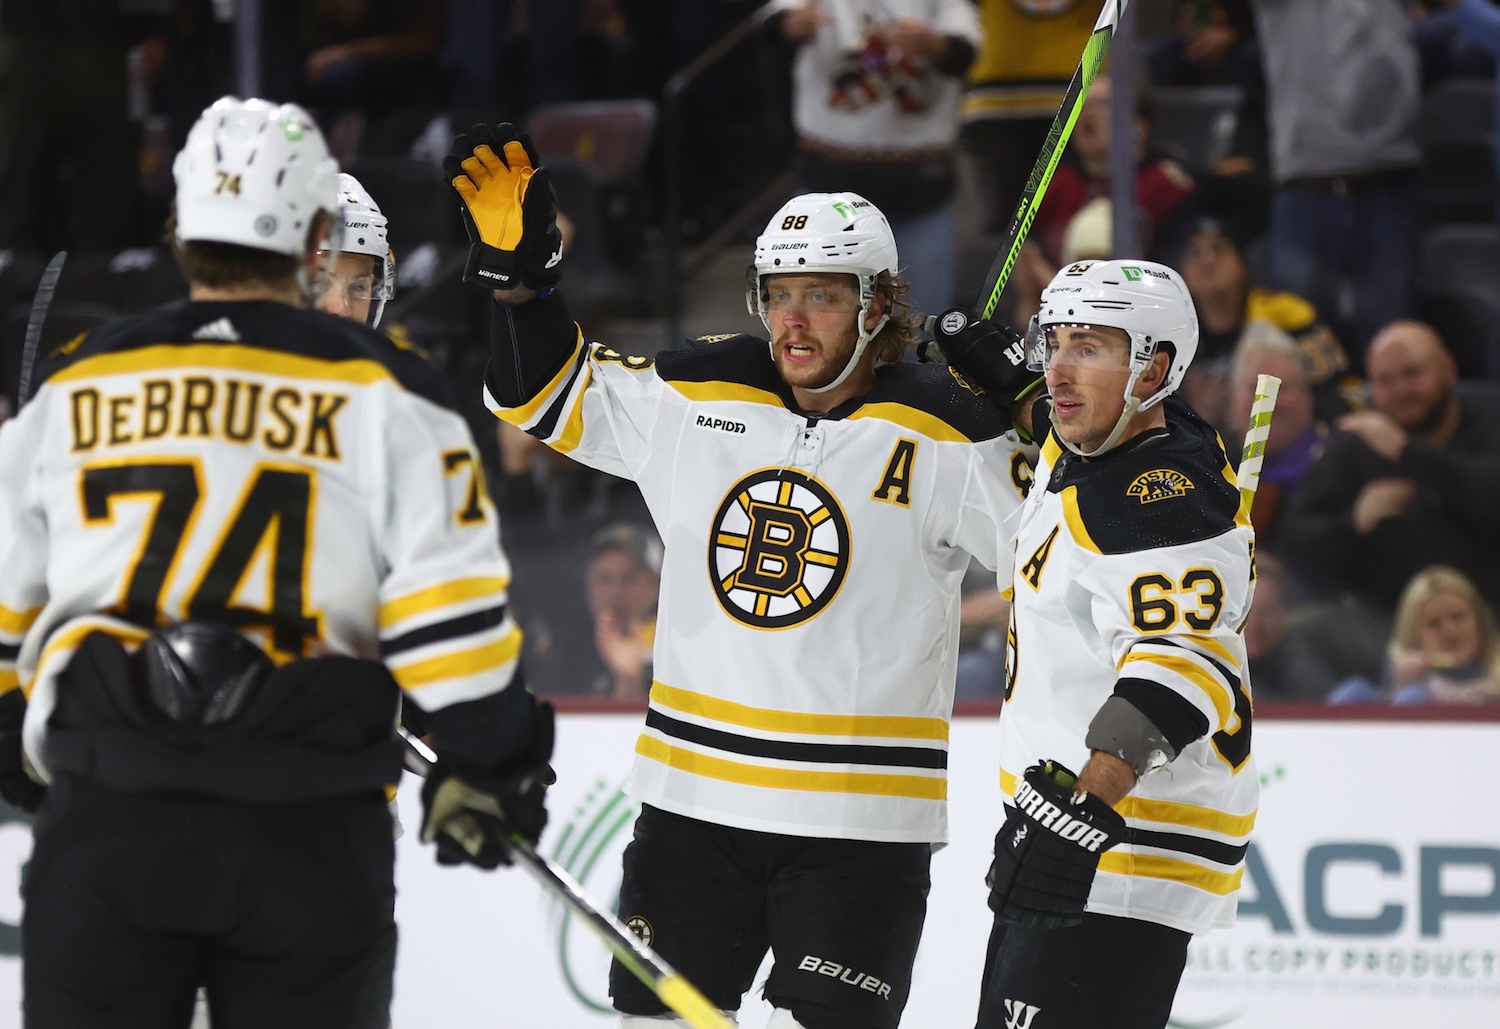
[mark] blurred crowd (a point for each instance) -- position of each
(1322, 172)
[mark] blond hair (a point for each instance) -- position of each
(1433, 581)
(900, 332)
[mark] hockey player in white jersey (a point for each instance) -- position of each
(1133, 575)
(233, 532)
(819, 505)
(362, 276)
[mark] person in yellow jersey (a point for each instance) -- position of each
(235, 532)
(1015, 86)
(819, 501)
(1125, 759)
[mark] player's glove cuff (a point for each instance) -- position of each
(1047, 852)
(991, 356)
(472, 816)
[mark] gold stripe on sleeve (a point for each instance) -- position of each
(393, 612)
(460, 665)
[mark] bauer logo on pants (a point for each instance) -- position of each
(778, 550)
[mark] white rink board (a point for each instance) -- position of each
(1398, 823)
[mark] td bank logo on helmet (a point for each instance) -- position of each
(1134, 274)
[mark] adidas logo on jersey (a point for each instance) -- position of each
(703, 421)
(222, 329)
(1159, 484)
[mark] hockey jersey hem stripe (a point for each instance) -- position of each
(452, 628)
(917, 420)
(1152, 867)
(9, 651)
(434, 598)
(462, 664)
(16, 623)
(897, 726)
(1197, 846)
(360, 371)
(1166, 812)
(9, 681)
(915, 787)
(719, 390)
(784, 750)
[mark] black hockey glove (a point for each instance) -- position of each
(990, 356)
(1048, 850)
(509, 209)
(19, 789)
(472, 815)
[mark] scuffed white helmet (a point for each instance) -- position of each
(255, 174)
(826, 232)
(365, 233)
(1149, 301)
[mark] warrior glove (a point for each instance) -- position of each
(991, 357)
(19, 789)
(1048, 850)
(509, 209)
(473, 815)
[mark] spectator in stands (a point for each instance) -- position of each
(1413, 483)
(1452, 45)
(1445, 648)
(875, 99)
(373, 56)
(63, 119)
(1296, 435)
(1212, 262)
(623, 581)
(1478, 21)
(1214, 45)
(1162, 186)
(1343, 99)
(1016, 85)
(1282, 664)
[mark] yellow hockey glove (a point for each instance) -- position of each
(508, 207)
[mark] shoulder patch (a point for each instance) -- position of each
(717, 337)
(965, 383)
(1159, 484)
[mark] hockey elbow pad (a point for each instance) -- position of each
(1048, 850)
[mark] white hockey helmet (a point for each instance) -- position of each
(365, 233)
(826, 232)
(1148, 301)
(255, 174)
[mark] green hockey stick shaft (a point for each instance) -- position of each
(644, 963)
(1052, 150)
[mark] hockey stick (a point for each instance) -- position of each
(675, 991)
(1266, 388)
(1046, 161)
(40, 304)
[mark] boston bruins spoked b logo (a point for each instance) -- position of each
(779, 549)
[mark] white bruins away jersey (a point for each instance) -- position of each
(285, 472)
(1137, 569)
(807, 627)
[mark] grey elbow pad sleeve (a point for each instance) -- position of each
(1119, 728)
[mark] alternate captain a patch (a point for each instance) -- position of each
(1159, 484)
(780, 549)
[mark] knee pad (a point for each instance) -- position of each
(781, 1018)
(665, 1021)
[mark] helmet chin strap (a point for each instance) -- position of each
(1132, 405)
(859, 350)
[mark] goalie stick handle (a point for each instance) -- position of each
(40, 305)
(1254, 455)
(674, 990)
(1046, 161)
